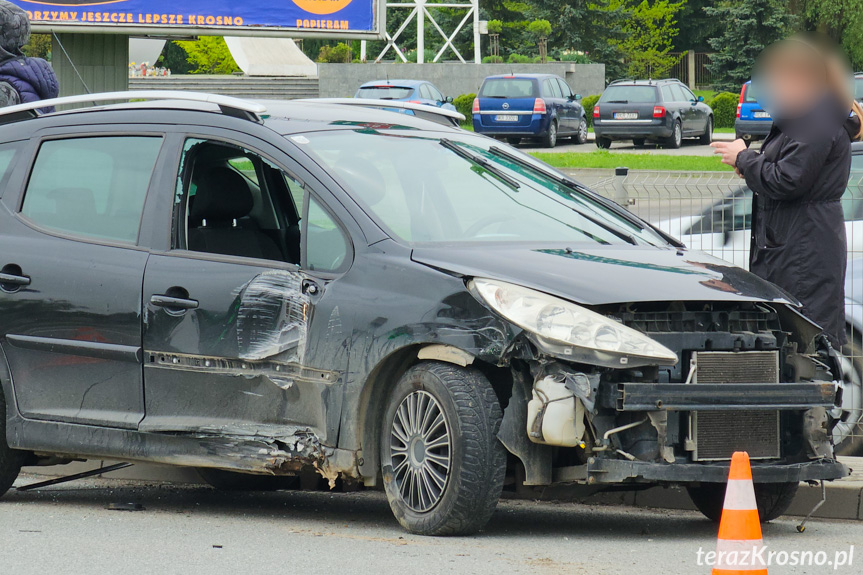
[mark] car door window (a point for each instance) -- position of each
(425, 93)
(434, 93)
(326, 245)
(667, 94)
(93, 187)
(564, 88)
(553, 89)
(687, 94)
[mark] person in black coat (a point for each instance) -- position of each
(799, 177)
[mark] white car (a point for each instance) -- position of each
(724, 230)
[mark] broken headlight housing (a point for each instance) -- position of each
(567, 330)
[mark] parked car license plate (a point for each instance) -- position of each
(761, 114)
(626, 115)
(506, 118)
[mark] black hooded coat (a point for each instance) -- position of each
(798, 228)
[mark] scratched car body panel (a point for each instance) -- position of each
(359, 292)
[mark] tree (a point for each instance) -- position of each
(39, 46)
(648, 36)
(539, 30)
(696, 27)
(175, 59)
(750, 26)
(588, 26)
(209, 55)
(841, 20)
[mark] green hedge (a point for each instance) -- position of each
(464, 105)
(589, 102)
(724, 106)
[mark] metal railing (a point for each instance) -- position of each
(711, 212)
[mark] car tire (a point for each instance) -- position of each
(772, 499)
(233, 481)
(638, 142)
(676, 138)
(550, 138)
(458, 487)
(707, 137)
(580, 136)
(10, 459)
(603, 143)
(852, 417)
(513, 141)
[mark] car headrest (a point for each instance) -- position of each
(363, 178)
(74, 200)
(221, 195)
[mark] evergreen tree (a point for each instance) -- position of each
(750, 26)
(648, 35)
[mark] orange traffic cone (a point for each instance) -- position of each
(739, 549)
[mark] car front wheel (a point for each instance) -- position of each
(442, 464)
(772, 499)
(10, 460)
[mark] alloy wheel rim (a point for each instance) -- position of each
(420, 447)
(677, 135)
(850, 414)
(552, 133)
(582, 130)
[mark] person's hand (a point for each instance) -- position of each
(729, 151)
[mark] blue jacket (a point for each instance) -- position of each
(32, 78)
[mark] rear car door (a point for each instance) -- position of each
(230, 309)
(70, 302)
(555, 104)
(570, 106)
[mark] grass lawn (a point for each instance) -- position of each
(610, 160)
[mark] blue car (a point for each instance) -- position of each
(540, 106)
(415, 91)
(753, 121)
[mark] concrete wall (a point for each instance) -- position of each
(342, 80)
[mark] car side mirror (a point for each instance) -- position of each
(447, 100)
(700, 98)
(577, 97)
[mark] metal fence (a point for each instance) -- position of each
(711, 212)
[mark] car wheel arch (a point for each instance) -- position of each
(380, 382)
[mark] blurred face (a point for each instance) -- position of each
(791, 80)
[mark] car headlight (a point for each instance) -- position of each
(566, 329)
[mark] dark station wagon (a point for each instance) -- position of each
(260, 291)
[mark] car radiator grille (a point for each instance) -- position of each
(718, 434)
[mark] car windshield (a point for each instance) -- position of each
(426, 187)
(385, 92)
(508, 88)
(629, 94)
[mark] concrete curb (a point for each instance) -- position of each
(844, 496)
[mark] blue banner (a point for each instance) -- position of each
(222, 16)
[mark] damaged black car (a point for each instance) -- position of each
(262, 291)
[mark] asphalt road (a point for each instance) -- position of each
(68, 530)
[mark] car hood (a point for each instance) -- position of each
(606, 274)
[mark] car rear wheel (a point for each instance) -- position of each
(848, 432)
(603, 143)
(707, 136)
(10, 460)
(442, 464)
(233, 481)
(676, 138)
(513, 141)
(550, 138)
(772, 499)
(581, 135)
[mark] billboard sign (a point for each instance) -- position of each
(285, 18)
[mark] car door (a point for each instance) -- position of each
(554, 101)
(696, 118)
(233, 309)
(570, 105)
(70, 301)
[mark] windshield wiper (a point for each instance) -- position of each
(617, 102)
(570, 184)
(481, 162)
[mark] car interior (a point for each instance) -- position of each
(238, 204)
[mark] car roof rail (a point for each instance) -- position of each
(229, 106)
(435, 113)
(621, 80)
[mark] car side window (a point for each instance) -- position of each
(425, 92)
(553, 88)
(667, 94)
(93, 187)
(435, 93)
(564, 88)
(232, 201)
(679, 96)
(687, 93)
(327, 247)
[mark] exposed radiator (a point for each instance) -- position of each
(718, 434)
